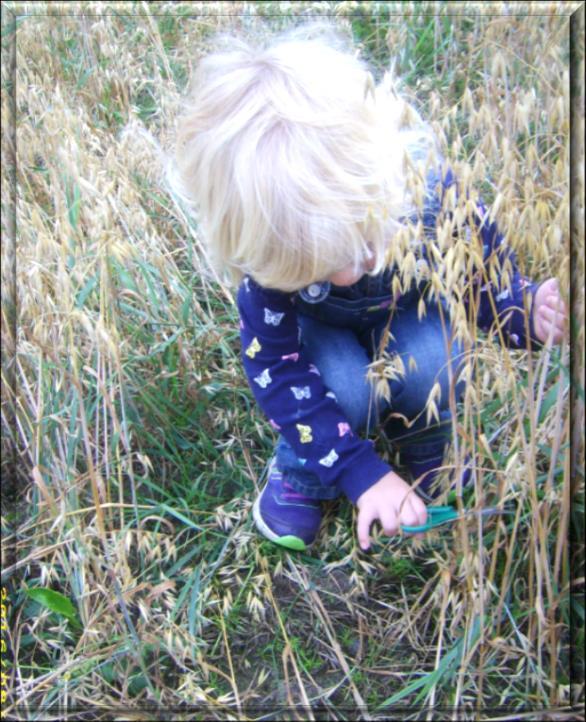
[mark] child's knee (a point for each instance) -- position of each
(428, 379)
(429, 364)
(342, 364)
(354, 399)
(345, 378)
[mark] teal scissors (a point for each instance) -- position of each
(438, 515)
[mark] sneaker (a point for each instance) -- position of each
(283, 515)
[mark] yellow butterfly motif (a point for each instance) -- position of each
(304, 433)
(254, 348)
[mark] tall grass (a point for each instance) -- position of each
(138, 450)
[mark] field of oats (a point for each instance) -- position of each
(136, 586)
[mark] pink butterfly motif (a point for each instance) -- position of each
(290, 357)
(274, 425)
(314, 370)
(524, 282)
(344, 428)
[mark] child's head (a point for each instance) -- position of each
(294, 160)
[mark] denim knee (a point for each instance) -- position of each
(427, 360)
(343, 364)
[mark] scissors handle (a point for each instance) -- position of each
(436, 515)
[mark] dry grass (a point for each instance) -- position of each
(133, 451)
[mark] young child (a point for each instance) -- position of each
(296, 163)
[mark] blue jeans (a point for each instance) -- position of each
(341, 336)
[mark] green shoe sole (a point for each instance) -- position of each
(291, 542)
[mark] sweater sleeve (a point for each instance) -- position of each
(498, 300)
(499, 289)
(289, 390)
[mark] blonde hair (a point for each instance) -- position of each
(294, 160)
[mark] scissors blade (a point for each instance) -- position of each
(438, 516)
(488, 511)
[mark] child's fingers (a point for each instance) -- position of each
(550, 330)
(556, 303)
(413, 513)
(550, 286)
(408, 515)
(389, 521)
(549, 319)
(546, 290)
(365, 518)
(419, 509)
(552, 315)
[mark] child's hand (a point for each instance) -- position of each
(549, 312)
(393, 502)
